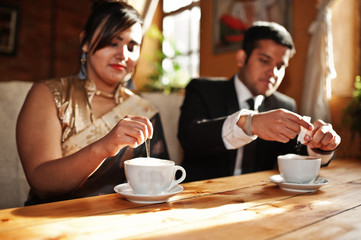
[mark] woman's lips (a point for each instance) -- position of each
(118, 67)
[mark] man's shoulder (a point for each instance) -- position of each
(282, 97)
(280, 100)
(208, 82)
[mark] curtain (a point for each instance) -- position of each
(319, 67)
(147, 9)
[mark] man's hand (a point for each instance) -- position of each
(323, 137)
(276, 125)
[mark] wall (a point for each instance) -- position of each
(346, 57)
(347, 62)
(47, 39)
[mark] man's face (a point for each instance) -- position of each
(265, 68)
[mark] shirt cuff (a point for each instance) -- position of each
(233, 136)
(325, 158)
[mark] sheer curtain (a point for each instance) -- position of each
(147, 9)
(320, 66)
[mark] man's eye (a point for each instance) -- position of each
(265, 61)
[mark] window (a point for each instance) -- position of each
(181, 25)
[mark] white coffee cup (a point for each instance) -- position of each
(298, 169)
(152, 176)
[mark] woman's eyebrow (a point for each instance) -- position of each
(131, 41)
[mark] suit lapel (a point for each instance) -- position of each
(230, 106)
(231, 101)
(269, 103)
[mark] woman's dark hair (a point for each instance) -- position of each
(261, 30)
(111, 17)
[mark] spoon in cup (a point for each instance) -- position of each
(147, 147)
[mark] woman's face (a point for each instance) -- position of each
(109, 65)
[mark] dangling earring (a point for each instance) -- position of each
(83, 58)
(82, 74)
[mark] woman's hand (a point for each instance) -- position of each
(130, 131)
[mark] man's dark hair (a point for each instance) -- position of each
(262, 30)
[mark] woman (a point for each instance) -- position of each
(73, 134)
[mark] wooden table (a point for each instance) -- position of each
(249, 206)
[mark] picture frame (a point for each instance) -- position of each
(232, 17)
(8, 29)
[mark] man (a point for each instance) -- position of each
(222, 137)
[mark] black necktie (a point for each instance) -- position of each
(251, 103)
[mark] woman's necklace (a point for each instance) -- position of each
(92, 90)
(103, 94)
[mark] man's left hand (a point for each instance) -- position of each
(323, 137)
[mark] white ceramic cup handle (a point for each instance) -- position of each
(181, 179)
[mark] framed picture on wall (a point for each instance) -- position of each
(232, 17)
(8, 29)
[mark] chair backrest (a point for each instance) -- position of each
(169, 109)
(13, 184)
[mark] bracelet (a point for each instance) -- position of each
(249, 124)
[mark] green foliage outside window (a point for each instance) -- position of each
(352, 113)
(168, 78)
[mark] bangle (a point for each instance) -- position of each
(249, 124)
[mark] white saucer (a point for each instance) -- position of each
(126, 191)
(299, 187)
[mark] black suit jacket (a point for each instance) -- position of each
(206, 105)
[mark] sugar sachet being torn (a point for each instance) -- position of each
(304, 132)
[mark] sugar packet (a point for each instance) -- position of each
(304, 132)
